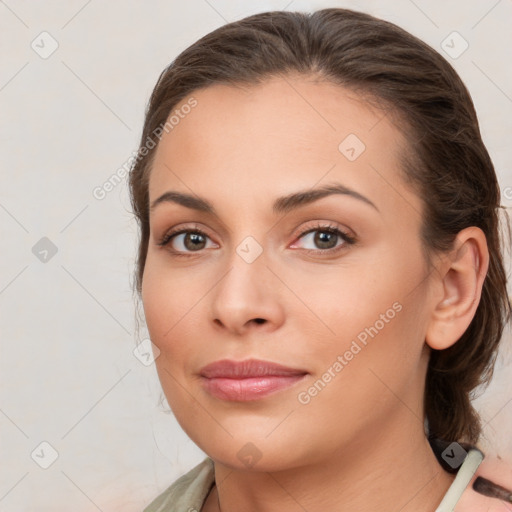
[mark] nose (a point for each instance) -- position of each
(248, 296)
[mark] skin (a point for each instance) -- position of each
(359, 444)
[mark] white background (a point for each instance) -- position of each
(68, 326)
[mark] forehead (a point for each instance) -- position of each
(271, 138)
(305, 112)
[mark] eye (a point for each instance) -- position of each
(326, 238)
(185, 241)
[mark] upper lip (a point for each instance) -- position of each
(246, 369)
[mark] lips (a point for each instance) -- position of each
(247, 380)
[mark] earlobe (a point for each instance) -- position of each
(460, 278)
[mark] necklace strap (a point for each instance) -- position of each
(464, 475)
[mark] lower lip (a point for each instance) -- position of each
(253, 388)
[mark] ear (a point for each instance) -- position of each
(458, 282)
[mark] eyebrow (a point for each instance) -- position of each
(281, 205)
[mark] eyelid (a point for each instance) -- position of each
(327, 226)
(175, 231)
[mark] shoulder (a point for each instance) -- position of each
(496, 470)
(188, 492)
(493, 470)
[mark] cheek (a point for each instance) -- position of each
(168, 298)
(346, 301)
(373, 319)
(173, 310)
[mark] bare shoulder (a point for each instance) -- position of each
(496, 470)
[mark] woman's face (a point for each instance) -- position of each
(351, 317)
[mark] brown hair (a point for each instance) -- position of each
(446, 160)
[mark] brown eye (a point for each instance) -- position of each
(185, 241)
(326, 238)
(194, 241)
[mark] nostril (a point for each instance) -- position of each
(259, 320)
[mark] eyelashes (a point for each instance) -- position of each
(197, 235)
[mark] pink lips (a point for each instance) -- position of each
(247, 380)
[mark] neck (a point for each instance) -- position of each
(388, 469)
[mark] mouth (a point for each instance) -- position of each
(248, 380)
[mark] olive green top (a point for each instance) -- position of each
(188, 493)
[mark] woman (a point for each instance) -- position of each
(319, 266)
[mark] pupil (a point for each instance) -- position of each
(194, 238)
(324, 237)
